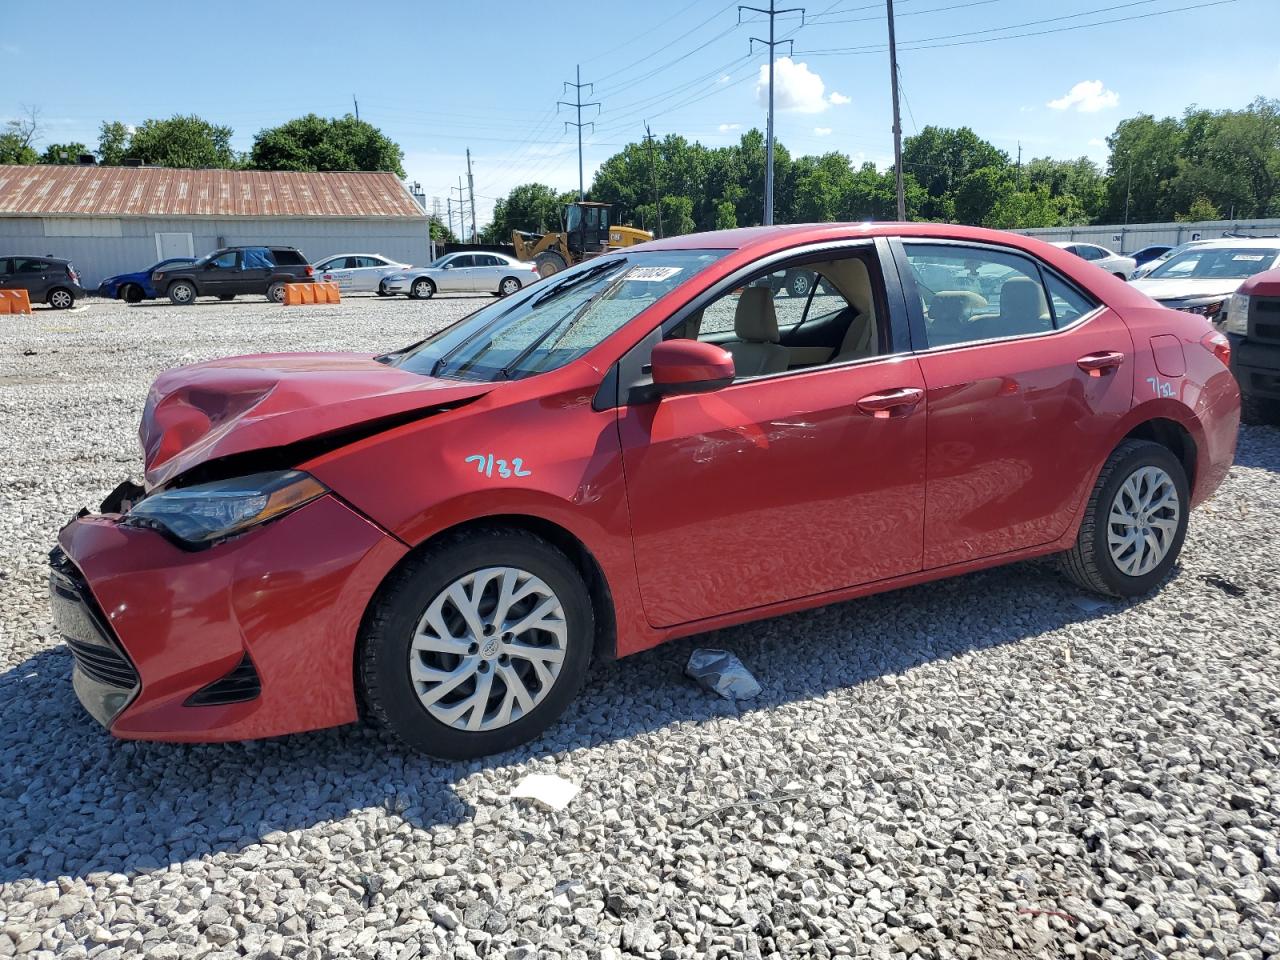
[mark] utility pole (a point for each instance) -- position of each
(578, 105)
(1128, 191)
(897, 118)
(1018, 177)
(449, 206)
(435, 216)
(773, 12)
(653, 169)
(462, 211)
(471, 185)
(356, 103)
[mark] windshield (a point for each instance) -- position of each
(555, 320)
(440, 261)
(1214, 263)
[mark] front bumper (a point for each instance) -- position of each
(397, 286)
(1256, 366)
(155, 628)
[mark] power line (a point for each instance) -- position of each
(912, 13)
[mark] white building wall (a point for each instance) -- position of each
(1135, 236)
(111, 245)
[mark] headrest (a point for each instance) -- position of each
(755, 319)
(951, 306)
(1022, 297)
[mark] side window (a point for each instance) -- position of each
(487, 260)
(362, 262)
(971, 294)
(1069, 304)
(466, 260)
(1092, 253)
(31, 266)
(6, 266)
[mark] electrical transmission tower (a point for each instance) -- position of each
(578, 105)
(772, 11)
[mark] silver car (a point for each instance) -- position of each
(358, 272)
(1109, 261)
(494, 273)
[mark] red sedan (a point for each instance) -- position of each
(658, 442)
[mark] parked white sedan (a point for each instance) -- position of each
(494, 273)
(358, 272)
(1109, 261)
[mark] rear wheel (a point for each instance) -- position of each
(1134, 524)
(275, 292)
(478, 645)
(422, 289)
(182, 293)
(1259, 410)
(549, 262)
(60, 298)
(508, 286)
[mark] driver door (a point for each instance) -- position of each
(220, 276)
(456, 277)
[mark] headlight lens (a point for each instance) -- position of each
(213, 511)
(1211, 310)
(398, 276)
(1237, 314)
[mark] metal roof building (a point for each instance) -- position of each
(110, 220)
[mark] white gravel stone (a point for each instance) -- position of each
(978, 768)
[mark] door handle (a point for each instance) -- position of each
(1095, 364)
(891, 403)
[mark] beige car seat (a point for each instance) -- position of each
(757, 351)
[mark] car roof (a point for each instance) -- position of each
(1078, 243)
(382, 256)
(1272, 243)
(33, 256)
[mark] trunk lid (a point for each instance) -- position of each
(207, 411)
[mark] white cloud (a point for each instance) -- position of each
(723, 79)
(796, 88)
(1097, 142)
(729, 127)
(1087, 96)
(822, 131)
(1026, 109)
(838, 99)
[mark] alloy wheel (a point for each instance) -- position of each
(509, 287)
(60, 299)
(488, 649)
(1143, 521)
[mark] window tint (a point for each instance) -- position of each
(26, 265)
(485, 260)
(284, 257)
(226, 261)
(365, 262)
(1069, 304)
(466, 260)
(6, 266)
(972, 294)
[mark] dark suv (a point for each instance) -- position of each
(231, 271)
(46, 279)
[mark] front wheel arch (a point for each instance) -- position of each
(605, 642)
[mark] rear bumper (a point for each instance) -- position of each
(254, 637)
(1256, 366)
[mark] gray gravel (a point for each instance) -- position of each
(982, 768)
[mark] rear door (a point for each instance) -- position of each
(1027, 378)
(366, 273)
(488, 273)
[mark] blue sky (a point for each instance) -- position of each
(439, 77)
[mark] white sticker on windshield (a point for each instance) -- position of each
(1252, 257)
(651, 274)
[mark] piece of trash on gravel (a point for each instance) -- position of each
(721, 672)
(1225, 585)
(1090, 604)
(555, 792)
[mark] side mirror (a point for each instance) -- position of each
(690, 366)
(447, 266)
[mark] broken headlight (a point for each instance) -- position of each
(214, 511)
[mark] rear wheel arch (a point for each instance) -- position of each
(604, 646)
(1174, 437)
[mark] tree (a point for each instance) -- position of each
(1200, 209)
(17, 143)
(317, 143)
(63, 153)
(113, 139)
(530, 208)
(978, 193)
(182, 142)
(726, 217)
(1144, 159)
(442, 234)
(939, 158)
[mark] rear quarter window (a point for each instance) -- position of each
(287, 258)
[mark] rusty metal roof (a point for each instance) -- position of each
(63, 190)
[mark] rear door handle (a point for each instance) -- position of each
(891, 403)
(1095, 364)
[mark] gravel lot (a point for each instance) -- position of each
(988, 767)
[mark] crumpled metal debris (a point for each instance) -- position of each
(721, 672)
(555, 792)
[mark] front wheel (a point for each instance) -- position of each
(1134, 524)
(478, 645)
(422, 289)
(182, 293)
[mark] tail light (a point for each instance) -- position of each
(311, 271)
(71, 272)
(1217, 344)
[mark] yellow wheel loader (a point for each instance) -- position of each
(587, 233)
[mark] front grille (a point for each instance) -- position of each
(78, 618)
(1266, 319)
(239, 685)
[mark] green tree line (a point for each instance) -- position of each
(1204, 165)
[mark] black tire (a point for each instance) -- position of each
(1089, 563)
(422, 289)
(382, 657)
(508, 286)
(382, 290)
(181, 293)
(799, 284)
(132, 293)
(226, 296)
(60, 298)
(1259, 411)
(275, 292)
(548, 263)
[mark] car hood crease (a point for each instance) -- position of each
(207, 411)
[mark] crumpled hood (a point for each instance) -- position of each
(206, 411)
(1185, 289)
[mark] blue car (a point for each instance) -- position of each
(136, 287)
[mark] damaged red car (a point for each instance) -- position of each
(657, 442)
